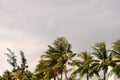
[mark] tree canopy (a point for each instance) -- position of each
(59, 62)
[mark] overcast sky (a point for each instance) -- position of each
(31, 25)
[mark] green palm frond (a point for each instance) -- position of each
(83, 72)
(115, 70)
(77, 63)
(76, 71)
(97, 53)
(117, 56)
(83, 55)
(45, 56)
(100, 50)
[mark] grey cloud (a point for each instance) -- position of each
(31, 25)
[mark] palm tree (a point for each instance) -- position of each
(55, 59)
(64, 48)
(105, 58)
(116, 47)
(116, 57)
(49, 59)
(101, 53)
(116, 67)
(83, 64)
(86, 61)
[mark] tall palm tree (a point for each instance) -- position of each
(64, 48)
(51, 59)
(116, 57)
(45, 66)
(105, 58)
(55, 59)
(83, 64)
(101, 53)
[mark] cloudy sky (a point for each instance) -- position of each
(30, 25)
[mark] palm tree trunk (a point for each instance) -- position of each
(105, 74)
(61, 75)
(66, 73)
(54, 77)
(65, 64)
(87, 76)
(88, 72)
